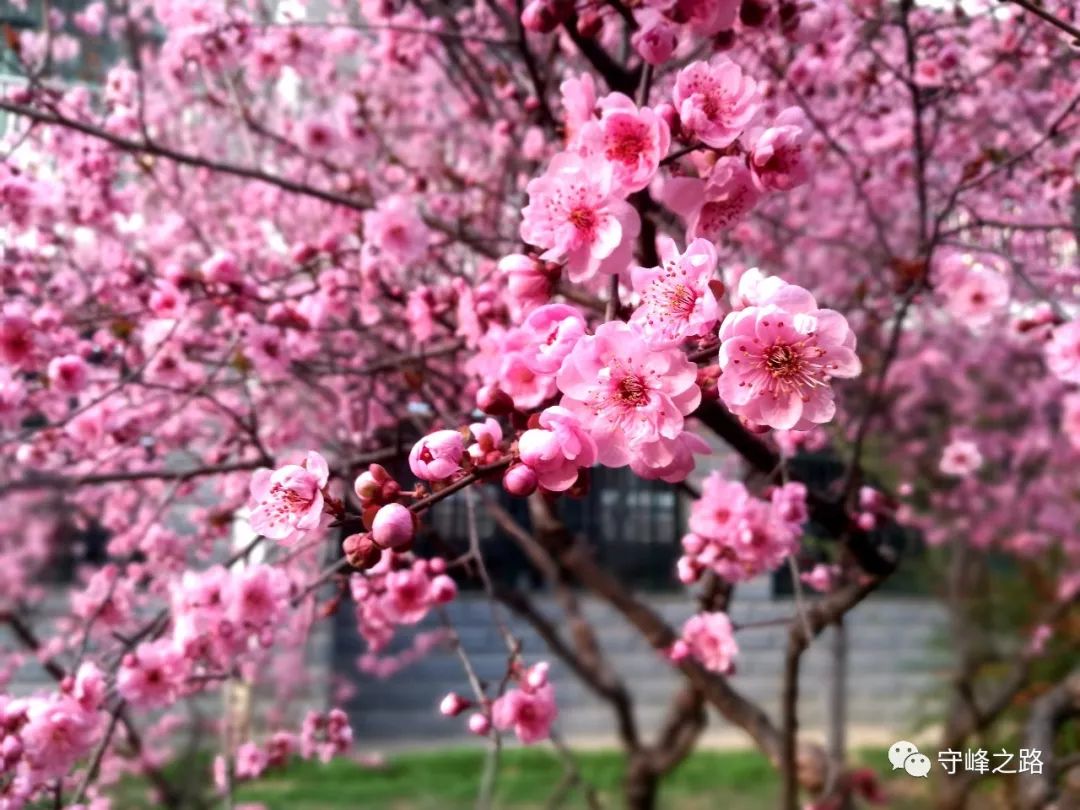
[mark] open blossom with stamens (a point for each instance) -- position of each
(633, 141)
(676, 300)
(289, 499)
(716, 102)
(632, 397)
(577, 215)
(779, 356)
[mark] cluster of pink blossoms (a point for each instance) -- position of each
(709, 638)
(528, 709)
(220, 616)
(779, 352)
(398, 591)
(43, 737)
(738, 535)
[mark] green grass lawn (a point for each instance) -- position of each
(448, 780)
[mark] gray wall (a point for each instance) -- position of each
(896, 658)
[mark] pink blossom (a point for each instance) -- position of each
(631, 397)
(737, 535)
(558, 449)
(393, 526)
(974, 293)
(711, 640)
(780, 158)
(961, 458)
(779, 356)
(317, 136)
(579, 101)
(68, 374)
(575, 214)
(257, 596)
(251, 761)
(16, 339)
(632, 140)
(527, 282)
(708, 17)
(58, 732)
(222, 268)
(551, 331)
(683, 449)
(713, 206)
(655, 41)
(408, 595)
(437, 456)
(1063, 352)
(289, 499)
(394, 230)
(676, 300)
(529, 713)
(150, 676)
(716, 102)
(821, 577)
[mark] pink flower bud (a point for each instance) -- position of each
(656, 43)
(437, 456)
(361, 551)
(366, 487)
(393, 526)
(453, 704)
(687, 571)
(537, 676)
(520, 480)
(866, 521)
(479, 724)
(693, 544)
(679, 651)
(539, 17)
(443, 589)
(437, 565)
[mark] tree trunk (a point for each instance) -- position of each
(642, 784)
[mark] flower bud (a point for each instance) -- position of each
(679, 651)
(539, 17)
(687, 570)
(479, 724)
(443, 589)
(493, 401)
(537, 676)
(693, 544)
(520, 480)
(656, 43)
(453, 704)
(361, 551)
(393, 526)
